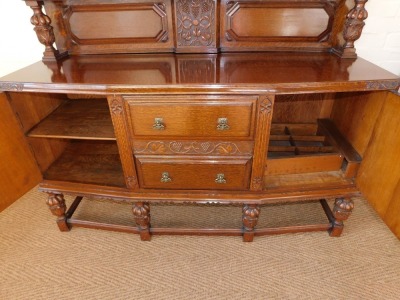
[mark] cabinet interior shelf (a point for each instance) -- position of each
(90, 162)
(87, 119)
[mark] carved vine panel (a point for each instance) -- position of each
(195, 23)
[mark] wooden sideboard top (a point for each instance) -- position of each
(196, 73)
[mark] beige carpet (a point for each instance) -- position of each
(39, 262)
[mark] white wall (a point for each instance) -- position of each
(380, 42)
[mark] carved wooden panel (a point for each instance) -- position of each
(265, 107)
(182, 147)
(260, 24)
(107, 27)
(196, 25)
(123, 23)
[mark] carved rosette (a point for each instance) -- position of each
(195, 22)
(56, 203)
(116, 106)
(343, 208)
(44, 31)
(266, 105)
(131, 182)
(257, 183)
(250, 216)
(354, 23)
(141, 212)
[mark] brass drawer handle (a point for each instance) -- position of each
(220, 178)
(165, 177)
(222, 124)
(158, 124)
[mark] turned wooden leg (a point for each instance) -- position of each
(141, 212)
(341, 211)
(250, 219)
(56, 203)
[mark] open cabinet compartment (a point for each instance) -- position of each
(72, 138)
(305, 143)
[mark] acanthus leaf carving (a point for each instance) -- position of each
(190, 147)
(44, 31)
(354, 23)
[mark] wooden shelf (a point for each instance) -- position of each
(87, 119)
(90, 162)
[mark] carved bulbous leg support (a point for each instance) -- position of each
(141, 212)
(341, 211)
(56, 203)
(353, 28)
(250, 219)
(44, 31)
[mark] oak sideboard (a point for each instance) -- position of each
(202, 102)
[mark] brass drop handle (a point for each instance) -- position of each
(222, 124)
(220, 178)
(158, 124)
(165, 177)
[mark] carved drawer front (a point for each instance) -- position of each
(192, 116)
(181, 173)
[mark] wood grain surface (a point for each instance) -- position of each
(18, 169)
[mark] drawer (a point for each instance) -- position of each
(193, 173)
(192, 116)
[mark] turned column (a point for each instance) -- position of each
(44, 31)
(250, 219)
(56, 204)
(141, 213)
(341, 211)
(353, 28)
